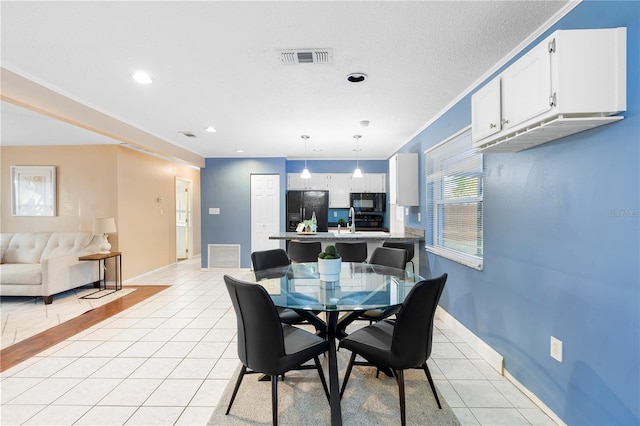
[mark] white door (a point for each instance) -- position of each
(183, 219)
(265, 211)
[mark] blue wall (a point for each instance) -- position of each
(561, 252)
(226, 183)
(561, 240)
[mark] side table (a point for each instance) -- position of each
(101, 259)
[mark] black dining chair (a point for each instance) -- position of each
(269, 259)
(405, 245)
(401, 344)
(267, 346)
(355, 251)
(393, 258)
(304, 251)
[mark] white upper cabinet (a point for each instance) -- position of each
(370, 182)
(318, 181)
(572, 81)
(403, 179)
(377, 182)
(339, 187)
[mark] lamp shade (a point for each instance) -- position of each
(104, 225)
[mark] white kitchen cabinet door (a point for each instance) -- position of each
(339, 186)
(486, 116)
(526, 87)
(319, 181)
(359, 184)
(377, 182)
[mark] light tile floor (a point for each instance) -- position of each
(167, 360)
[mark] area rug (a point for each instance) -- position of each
(301, 401)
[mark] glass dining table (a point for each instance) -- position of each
(361, 287)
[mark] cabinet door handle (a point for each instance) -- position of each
(505, 121)
(492, 126)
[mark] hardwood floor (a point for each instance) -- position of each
(27, 348)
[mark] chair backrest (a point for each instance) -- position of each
(352, 252)
(392, 257)
(405, 245)
(266, 259)
(260, 336)
(304, 251)
(413, 331)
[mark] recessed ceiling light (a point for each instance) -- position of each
(239, 151)
(356, 77)
(142, 77)
(210, 129)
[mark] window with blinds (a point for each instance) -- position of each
(454, 200)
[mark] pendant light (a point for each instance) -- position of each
(305, 173)
(357, 173)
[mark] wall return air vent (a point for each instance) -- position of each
(306, 56)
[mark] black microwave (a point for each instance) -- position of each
(366, 202)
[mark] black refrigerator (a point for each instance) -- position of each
(302, 204)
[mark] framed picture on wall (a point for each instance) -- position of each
(33, 190)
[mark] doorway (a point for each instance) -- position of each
(184, 230)
(265, 211)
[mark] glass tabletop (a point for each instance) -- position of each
(361, 287)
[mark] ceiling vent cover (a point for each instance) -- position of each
(306, 56)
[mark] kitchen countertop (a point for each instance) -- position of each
(346, 235)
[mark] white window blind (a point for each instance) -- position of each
(454, 175)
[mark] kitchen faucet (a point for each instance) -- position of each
(352, 216)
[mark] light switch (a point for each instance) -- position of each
(214, 210)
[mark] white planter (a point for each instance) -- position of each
(329, 269)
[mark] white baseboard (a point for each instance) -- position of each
(535, 399)
(493, 358)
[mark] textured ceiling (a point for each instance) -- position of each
(217, 63)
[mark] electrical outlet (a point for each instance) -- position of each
(556, 349)
(335, 214)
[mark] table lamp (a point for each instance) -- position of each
(103, 226)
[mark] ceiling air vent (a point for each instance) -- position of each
(306, 56)
(188, 134)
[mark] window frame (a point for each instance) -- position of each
(465, 163)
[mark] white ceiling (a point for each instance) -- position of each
(217, 63)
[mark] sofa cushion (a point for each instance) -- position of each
(26, 247)
(63, 243)
(21, 273)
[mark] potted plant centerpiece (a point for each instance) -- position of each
(329, 264)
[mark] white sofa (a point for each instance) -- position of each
(46, 263)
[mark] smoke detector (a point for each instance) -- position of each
(306, 56)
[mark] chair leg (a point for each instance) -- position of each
(433, 387)
(400, 379)
(322, 379)
(347, 373)
(274, 399)
(235, 390)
